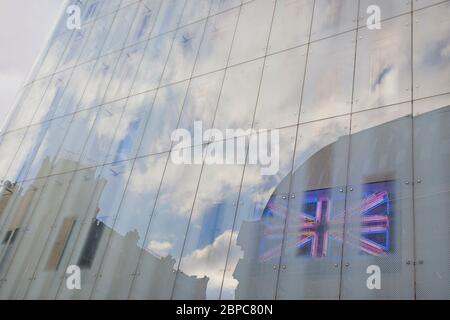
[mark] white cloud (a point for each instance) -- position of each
(210, 262)
(162, 248)
(446, 51)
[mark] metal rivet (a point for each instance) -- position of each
(274, 267)
(347, 264)
(351, 189)
(419, 180)
(408, 262)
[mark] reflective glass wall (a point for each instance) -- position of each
(363, 119)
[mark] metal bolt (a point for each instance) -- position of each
(351, 189)
(408, 262)
(284, 267)
(347, 264)
(336, 265)
(419, 180)
(274, 267)
(407, 182)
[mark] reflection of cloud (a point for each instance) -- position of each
(445, 52)
(161, 248)
(210, 260)
(432, 51)
(143, 180)
(219, 184)
(382, 75)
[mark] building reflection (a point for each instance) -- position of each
(94, 186)
(316, 226)
(313, 227)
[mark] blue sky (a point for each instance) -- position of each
(24, 28)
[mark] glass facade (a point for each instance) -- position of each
(363, 118)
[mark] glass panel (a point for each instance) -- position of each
(63, 235)
(195, 10)
(431, 51)
(201, 102)
(102, 134)
(383, 65)
(252, 32)
(204, 253)
(34, 239)
(418, 4)
(329, 61)
(169, 16)
(127, 239)
(312, 245)
(153, 63)
(125, 73)
(130, 130)
(8, 194)
(332, 17)
(97, 228)
(120, 29)
(15, 226)
(144, 21)
(92, 10)
(28, 104)
(291, 25)
(163, 243)
(164, 119)
(9, 145)
(98, 82)
(52, 97)
(69, 155)
(125, 3)
(54, 53)
(110, 6)
(97, 38)
(26, 153)
(238, 98)
(13, 109)
(254, 250)
(75, 47)
(216, 43)
(379, 213)
(222, 5)
(432, 194)
(281, 89)
(74, 89)
(184, 53)
(46, 155)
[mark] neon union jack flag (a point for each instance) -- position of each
(317, 223)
